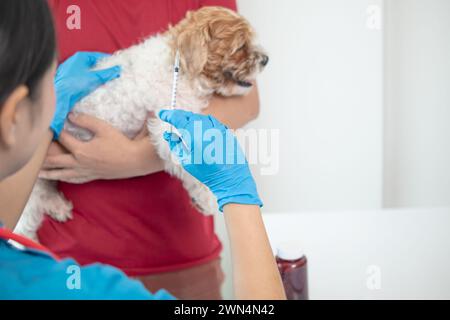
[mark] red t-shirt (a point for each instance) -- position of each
(143, 225)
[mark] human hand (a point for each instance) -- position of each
(225, 171)
(109, 155)
(74, 80)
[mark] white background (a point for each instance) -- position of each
(417, 141)
(364, 120)
(323, 91)
(363, 114)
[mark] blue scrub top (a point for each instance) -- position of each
(31, 274)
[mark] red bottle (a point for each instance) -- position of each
(292, 264)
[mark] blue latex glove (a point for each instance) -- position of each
(225, 171)
(74, 80)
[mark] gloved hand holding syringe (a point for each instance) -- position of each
(255, 273)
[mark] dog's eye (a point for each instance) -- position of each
(228, 74)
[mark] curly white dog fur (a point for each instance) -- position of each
(218, 56)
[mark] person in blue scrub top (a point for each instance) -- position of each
(35, 100)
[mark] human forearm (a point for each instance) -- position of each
(109, 155)
(147, 159)
(235, 112)
(254, 269)
(16, 189)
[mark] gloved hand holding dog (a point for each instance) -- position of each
(225, 171)
(74, 80)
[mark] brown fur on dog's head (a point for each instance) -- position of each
(217, 47)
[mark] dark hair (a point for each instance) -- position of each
(27, 44)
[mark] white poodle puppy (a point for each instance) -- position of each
(218, 56)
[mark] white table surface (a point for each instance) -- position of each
(389, 254)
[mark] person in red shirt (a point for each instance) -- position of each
(129, 213)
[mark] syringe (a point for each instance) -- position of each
(176, 73)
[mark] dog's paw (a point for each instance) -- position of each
(59, 209)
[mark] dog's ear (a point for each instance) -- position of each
(192, 42)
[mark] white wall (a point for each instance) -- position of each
(323, 90)
(363, 114)
(417, 171)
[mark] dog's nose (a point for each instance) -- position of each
(265, 60)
